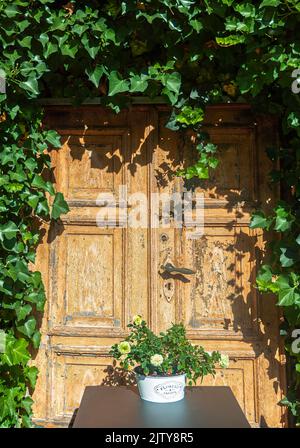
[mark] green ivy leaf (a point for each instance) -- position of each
(138, 83)
(288, 297)
(36, 339)
(38, 182)
(16, 351)
(25, 42)
(172, 83)
(259, 221)
(197, 25)
(201, 171)
(292, 402)
(287, 294)
(284, 219)
(288, 256)
(42, 208)
(26, 403)
(190, 116)
(67, 50)
(264, 280)
(95, 74)
(8, 231)
(31, 86)
(273, 3)
(27, 422)
(53, 138)
(59, 206)
(91, 49)
(11, 11)
(38, 298)
(8, 403)
(33, 200)
(49, 49)
(31, 374)
(117, 84)
(23, 311)
(28, 327)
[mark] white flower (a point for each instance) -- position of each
(124, 348)
(137, 319)
(156, 360)
(224, 361)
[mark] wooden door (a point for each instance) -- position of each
(97, 278)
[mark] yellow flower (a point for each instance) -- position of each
(230, 89)
(156, 360)
(137, 319)
(124, 348)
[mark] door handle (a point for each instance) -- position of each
(174, 270)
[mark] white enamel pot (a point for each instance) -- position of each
(161, 389)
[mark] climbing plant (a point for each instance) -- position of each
(192, 53)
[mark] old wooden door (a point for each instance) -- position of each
(97, 278)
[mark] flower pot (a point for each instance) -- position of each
(161, 389)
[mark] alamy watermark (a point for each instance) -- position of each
(2, 341)
(296, 83)
(160, 210)
(295, 347)
(2, 81)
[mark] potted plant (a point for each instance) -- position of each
(163, 363)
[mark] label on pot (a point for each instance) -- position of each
(169, 390)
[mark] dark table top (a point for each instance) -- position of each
(122, 407)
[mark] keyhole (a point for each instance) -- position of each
(168, 289)
(164, 238)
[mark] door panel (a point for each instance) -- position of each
(75, 373)
(98, 278)
(218, 298)
(234, 178)
(240, 377)
(88, 279)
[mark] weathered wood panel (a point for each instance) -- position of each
(97, 279)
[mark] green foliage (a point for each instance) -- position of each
(207, 159)
(189, 115)
(174, 351)
(23, 202)
(59, 206)
(192, 53)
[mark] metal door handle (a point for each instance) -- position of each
(173, 269)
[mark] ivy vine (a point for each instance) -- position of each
(191, 52)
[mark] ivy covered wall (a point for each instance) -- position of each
(194, 53)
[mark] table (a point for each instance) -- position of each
(122, 407)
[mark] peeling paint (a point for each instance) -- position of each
(210, 288)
